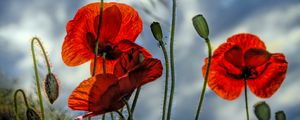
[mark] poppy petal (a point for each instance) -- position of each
(234, 56)
(132, 24)
(246, 41)
(75, 50)
(109, 64)
(220, 82)
(111, 23)
(126, 45)
(149, 70)
(123, 46)
(100, 94)
(78, 44)
(270, 80)
(127, 62)
(104, 94)
(78, 100)
(219, 55)
(256, 57)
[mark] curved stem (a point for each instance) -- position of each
(43, 50)
(246, 99)
(36, 71)
(120, 115)
(128, 109)
(135, 99)
(205, 79)
(15, 101)
(172, 60)
(162, 44)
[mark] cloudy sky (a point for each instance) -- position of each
(276, 22)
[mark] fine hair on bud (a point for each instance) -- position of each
(51, 87)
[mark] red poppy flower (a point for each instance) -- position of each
(244, 57)
(105, 93)
(120, 27)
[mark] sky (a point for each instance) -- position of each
(276, 22)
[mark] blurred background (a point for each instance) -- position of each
(276, 22)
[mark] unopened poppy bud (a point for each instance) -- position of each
(32, 115)
(280, 115)
(201, 26)
(141, 57)
(262, 111)
(51, 87)
(156, 31)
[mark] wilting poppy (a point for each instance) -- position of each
(107, 92)
(120, 27)
(244, 58)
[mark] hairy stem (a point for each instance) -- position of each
(205, 79)
(172, 60)
(130, 117)
(162, 44)
(36, 71)
(246, 99)
(97, 42)
(135, 99)
(98, 36)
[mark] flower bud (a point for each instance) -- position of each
(201, 26)
(51, 87)
(32, 115)
(280, 115)
(156, 31)
(262, 111)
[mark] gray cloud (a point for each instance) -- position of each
(276, 22)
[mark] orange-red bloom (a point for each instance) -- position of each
(105, 93)
(120, 27)
(244, 57)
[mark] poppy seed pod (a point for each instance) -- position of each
(201, 26)
(262, 111)
(280, 115)
(156, 31)
(51, 87)
(32, 115)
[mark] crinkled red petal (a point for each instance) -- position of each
(246, 41)
(271, 78)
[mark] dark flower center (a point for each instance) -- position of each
(249, 73)
(110, 51)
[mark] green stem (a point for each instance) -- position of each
(120, 115)
(135, 99)
(205, 79)
(162, 44)
(112, 116)
(36, 71)
(97, 42)
(98, 36)
(103, 117)
(172, 60)
(128, 109)
(15, 101)
(246, 99)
